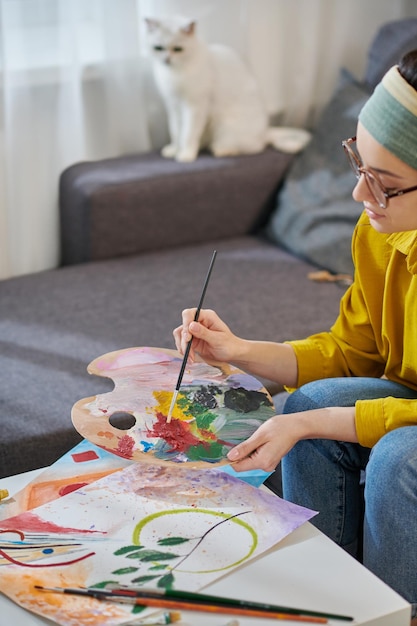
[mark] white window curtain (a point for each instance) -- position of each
(75, 85)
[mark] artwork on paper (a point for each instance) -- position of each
(217, 408)
(79, 467)
(144, 526)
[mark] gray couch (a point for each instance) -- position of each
(138, 233)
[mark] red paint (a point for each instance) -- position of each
(208, 434)
(17, 532)
(70, 488)
(126, 446)
(81, 457)
(30, 522)
(22, 538)
(176, 433)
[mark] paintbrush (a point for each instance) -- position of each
(163, 602)
(175, 599)
(178, 594)
(187, 350)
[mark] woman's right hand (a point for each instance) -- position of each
(213, 340)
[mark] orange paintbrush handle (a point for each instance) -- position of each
(165, 603)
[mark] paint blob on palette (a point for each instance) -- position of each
(217, 408)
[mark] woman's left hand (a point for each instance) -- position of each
(275, 437)
(268, 444)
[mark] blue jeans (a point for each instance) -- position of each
(377, 521)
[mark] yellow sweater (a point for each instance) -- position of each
(376, 331)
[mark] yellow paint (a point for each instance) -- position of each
(4, 494)
(164, 402)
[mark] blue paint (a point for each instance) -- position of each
(146, 446)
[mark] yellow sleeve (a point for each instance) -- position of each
(375, 418)
(352, 345)
(329, 355)
(318, 357)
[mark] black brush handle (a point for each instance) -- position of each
(196, 316)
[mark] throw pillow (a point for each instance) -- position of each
(315, 213)
(391, 41)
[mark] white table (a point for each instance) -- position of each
(305, 570)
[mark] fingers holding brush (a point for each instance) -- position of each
(211, 338)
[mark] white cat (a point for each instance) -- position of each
(212, 100)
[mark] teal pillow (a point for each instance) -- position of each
(315, 213)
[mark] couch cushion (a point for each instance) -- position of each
(315, 213)
(117, 207)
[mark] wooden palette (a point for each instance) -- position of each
(217, 408)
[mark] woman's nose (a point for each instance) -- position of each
(361, 192)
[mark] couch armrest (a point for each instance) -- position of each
(138, 203)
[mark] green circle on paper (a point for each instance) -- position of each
(224, 517)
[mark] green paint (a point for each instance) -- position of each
(206, 451)
(152, 555)
(224, 517)
(167, 581)
(125, 570)
(172, 541)
(126, 549)
(143, 579)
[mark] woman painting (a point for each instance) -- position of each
(353, 409)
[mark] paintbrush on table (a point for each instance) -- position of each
(187, 350)
(191, 601)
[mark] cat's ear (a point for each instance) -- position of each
(189, 29)
(151, 24)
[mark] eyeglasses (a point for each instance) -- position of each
(379, 192)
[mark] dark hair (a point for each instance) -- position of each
(408, 67)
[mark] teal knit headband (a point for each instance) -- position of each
(390, 116)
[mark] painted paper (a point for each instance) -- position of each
(217, 408)
(79, 467)
(147, 525)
